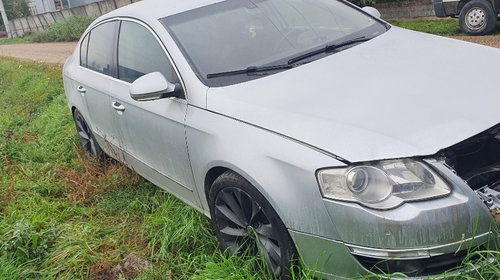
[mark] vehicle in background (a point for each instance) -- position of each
(476, 17)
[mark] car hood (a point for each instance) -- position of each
(400, 94)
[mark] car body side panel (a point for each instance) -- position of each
(285, 168)
(98, 104)
(74, 98)
(322, 256)
(154, 138)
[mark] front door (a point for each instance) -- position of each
(154, 137)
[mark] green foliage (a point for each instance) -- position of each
(68, 31)
(16, 8)
(23, 242)
(26, 39)
(437, 27)
(363, 3)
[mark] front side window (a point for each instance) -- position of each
(100, 48)
(140, 53)
(244, 34)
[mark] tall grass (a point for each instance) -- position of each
(67, 31)
(65, 216)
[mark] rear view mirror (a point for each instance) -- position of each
(372, 11)
(153, 86)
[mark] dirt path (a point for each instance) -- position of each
(52, 53)
(56, 53)
(491, 40)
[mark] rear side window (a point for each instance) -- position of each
(140, 53)
(100, 48)
(83, 51)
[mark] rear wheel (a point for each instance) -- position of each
(87, 139)
(244, 221)
(477, 17)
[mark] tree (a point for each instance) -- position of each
(16, 8)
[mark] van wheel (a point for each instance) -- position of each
(477, 17)
(244, 221)
(87, 139)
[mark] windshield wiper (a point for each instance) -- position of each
(250, 70)
(255, 69)
(327, 48)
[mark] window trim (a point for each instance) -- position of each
(115, 50)
(113, 61)
(87, 38)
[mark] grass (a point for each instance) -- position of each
(67, 217)
(20, 40)
(67, 31)
(444, 27)
(438, 27)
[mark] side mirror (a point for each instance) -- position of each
(153, 86)
(372, 11)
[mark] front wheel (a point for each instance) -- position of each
(477, 17)
(244, 221)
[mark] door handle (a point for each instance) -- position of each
(117, 106)
(81, 90)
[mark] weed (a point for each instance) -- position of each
(67, 31)
(23, 242)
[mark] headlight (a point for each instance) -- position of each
(384, 184)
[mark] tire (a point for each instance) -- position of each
(87, 139)
(477, 17)
(244, 221)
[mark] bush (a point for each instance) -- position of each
(70, 30)
(24, 242)
(363, 3)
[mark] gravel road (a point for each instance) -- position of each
(490, 40)
(51, 53)
(56, 53)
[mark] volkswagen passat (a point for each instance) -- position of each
(308, 129)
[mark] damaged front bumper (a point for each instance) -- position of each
(339, 260)
(491, 197)
(418, 239)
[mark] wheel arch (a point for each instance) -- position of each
(220, 168)
(211, 175)
(73, 109)
(493, 3)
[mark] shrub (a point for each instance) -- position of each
(24, 242)
(363, 3)
(70, 30)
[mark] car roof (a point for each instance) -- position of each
(156, 9)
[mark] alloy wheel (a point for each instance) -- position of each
(85, 135)
(243, 225)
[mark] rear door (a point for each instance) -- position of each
(97, 67)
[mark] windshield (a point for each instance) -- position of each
(238, 34)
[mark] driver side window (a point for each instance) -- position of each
(140, 53)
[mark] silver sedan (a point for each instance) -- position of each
(303, 129)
